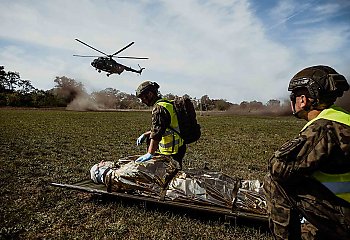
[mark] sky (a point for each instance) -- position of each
(237, 50)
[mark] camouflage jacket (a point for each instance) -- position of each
(160, 121)
(324, 145)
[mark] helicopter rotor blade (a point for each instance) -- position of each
(122, 49)
(75, 55)
(90, 46)
(134, 57)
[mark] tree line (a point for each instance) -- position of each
(71, 94)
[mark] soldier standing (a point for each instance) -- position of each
(309, 176)
(164, 134)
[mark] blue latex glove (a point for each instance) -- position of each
(140, 139)
(144, 158)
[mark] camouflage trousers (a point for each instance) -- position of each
(327, 216)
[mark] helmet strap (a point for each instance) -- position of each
(298, 114)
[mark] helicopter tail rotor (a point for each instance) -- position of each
(141, 69)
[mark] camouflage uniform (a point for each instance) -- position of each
(160, 121)
(292, 192)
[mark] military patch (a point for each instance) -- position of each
(290, 146)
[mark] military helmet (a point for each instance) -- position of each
(322, 82)
(146, 86)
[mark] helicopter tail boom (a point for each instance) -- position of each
(133, 70)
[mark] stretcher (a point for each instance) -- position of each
(229, 215)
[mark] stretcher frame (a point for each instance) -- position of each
(229, 215)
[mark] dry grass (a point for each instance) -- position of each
(38, 147)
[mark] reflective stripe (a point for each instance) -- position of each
(168, 145)
(338, 187)
(339, 184)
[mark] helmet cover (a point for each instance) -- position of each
(322, 82)
(146, 86)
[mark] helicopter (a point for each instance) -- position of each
(108, 64)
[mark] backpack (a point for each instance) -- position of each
(190, 130)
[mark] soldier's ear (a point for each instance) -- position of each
(304, 101)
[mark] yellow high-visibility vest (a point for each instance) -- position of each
(339, 184)
(171, 140)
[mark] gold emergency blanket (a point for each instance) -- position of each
(161, 178)
(215, 188)
(151, 177)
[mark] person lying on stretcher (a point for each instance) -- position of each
(161, 178)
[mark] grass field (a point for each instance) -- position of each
(42, 146)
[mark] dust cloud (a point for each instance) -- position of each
(79, 100)
(252, 108)
(106, 100)
(282, 109)
(83, 102)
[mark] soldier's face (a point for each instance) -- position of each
(147, 98)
